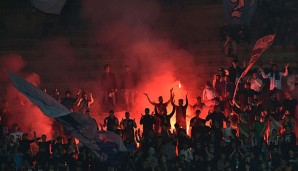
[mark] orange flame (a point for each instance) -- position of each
(179, 84)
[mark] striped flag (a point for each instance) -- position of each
(261, 45)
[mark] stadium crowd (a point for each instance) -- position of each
(253, 131)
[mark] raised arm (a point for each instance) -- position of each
(151, 102)
(263, 73)
(91, 99)
(79, 102)
(186, 100)
(171, 97)
(173, 111)
(286, 70)
(78, 96)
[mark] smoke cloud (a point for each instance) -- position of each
(125, 32)
(127, 28)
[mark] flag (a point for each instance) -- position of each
(239, 12)
(49, 6)
(46, 103)
(261, 45)
(107, 136)
(105, 145)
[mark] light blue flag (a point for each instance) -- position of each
(46, 103)
(105, 145)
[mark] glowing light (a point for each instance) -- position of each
(179, 84)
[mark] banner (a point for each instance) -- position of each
(105, 145)
(49, 6)
(261, 45)
(239, 11)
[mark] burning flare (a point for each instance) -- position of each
(179, 84)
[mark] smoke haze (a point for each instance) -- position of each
(22, 112)
(127, 30)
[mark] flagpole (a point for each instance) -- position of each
(236, 88)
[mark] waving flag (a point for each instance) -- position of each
(46, 103)
(105, 145)
(261, 45)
